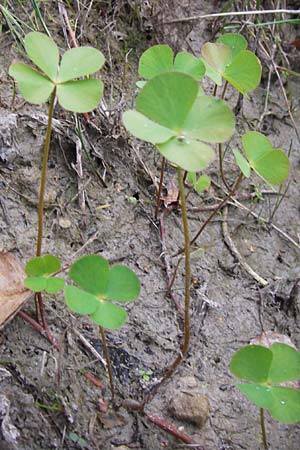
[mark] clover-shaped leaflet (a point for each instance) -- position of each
(73, 94)
(170, 114)
(40, 272)
(264, 369)
(160, 58)
(228, 58)
(100, 285)
(271, 164)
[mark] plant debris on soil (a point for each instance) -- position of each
(100, 199)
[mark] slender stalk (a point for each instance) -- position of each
(214, 212)
(230, 194)
(263, 429)
(220, 150)
(186, 339)
(224, 90)
(162, 171)
(187, 254)
(220, 153)
(107, 359)
(44, 332)
(233, 14)
(44, 176)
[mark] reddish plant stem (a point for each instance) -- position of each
(161, 423)
(212, 215)
(162, 172)
(220, 147)
(41, 308)
(172, 280)
(94, 380)
(220, 153)
(39, 328)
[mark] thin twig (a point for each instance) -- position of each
(231, 13)
(80, 184)
(89, 346)
(236, 253)
(161, 423)
(158, 194)
(270, 57)
(262, 219)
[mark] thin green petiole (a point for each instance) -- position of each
(263, 429)
(44, 175)
(187, 295)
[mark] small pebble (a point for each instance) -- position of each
(190, 406)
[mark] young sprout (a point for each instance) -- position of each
(101, 285)
(69, 81)
(200, 184)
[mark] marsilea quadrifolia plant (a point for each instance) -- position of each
(69, 81)
(173, 113)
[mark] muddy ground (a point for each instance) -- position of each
(52, 404)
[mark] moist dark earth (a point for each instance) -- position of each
(46, 401)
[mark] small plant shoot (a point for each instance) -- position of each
(40, 272)
(73, 94)
(265, 368)
(229, 59)
(70, 83)
(200, 184)
(270, 164)
(160, 58)
(99, 286)
(170, 114)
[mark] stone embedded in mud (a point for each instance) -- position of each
(190, 406)
(122, 447)
(8, 431)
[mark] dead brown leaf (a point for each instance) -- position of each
(268, 338)
(172, 194)
(13, 293)
(111, 420)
